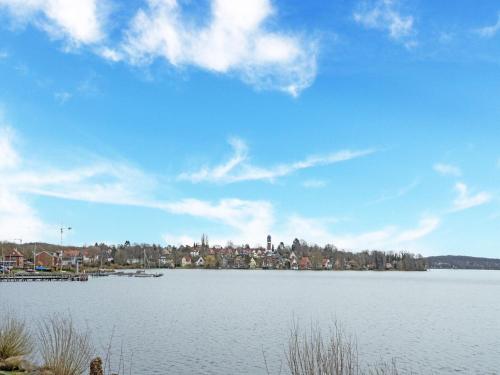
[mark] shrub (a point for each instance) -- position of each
(15, 339)
(63, 349)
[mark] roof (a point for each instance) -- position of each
(46, 252)
(15, 253)
(304, 260)
(71, 253)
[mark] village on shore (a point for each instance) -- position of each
(298, 256)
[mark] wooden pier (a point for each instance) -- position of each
(26, 277)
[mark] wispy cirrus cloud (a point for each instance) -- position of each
(238, 168)
(107, 182)
(386, 238)
(77, 22)
(447, 170)
(314, 184)
(385, 15)
(401, 192)
(465, 199)
(117, 183)
(62, 96)
(490, 30)
(235, 40)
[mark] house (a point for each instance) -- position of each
(71, 257)
(294, 265)
(163, 260)
(186, 261)
(253, 264)
(133, 261)
(200, 262)
(327, 265)
(268, 263)
(46, 259)
(305, 263)
(239, 262)
(15, 259)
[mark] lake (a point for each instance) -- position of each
(221, 322)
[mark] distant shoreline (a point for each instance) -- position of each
(300, 256)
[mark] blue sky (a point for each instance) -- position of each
(366, 124)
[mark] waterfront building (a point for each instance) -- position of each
(200, 262)
(46, 259)
(15, 259)
(253, 263)
(186, 261)
(305, 263)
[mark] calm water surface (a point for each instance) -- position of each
(221, 322)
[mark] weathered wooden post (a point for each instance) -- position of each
(96, 367)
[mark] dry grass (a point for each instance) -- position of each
(63, 349)
(312, 353)
(15, 339)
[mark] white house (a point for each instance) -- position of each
(200, 262)
(186, 261)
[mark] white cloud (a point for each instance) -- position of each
(238, 168)
(387, 238)
(489, 31)
(62, 96)
(384, 15)
(79, 22)
(109, 182)
(447, 170)
(465, 200)
(173, 239)
(426, 226)
(250, 221)
(235, 40)
(8, 156)
(314, 184)
(399, 193)
(17, 218)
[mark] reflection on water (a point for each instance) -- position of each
(220, 322)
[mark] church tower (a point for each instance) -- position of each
(269, 243)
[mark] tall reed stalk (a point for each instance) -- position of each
(63, 349)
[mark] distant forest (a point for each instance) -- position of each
(463, 262)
